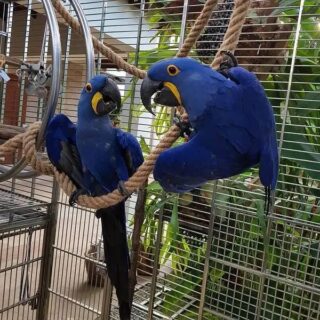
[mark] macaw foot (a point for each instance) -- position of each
(73, 199)
(122, 189)
(185, 127)
(229, 61)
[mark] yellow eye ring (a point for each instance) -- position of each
(172, 70)
(88, 87)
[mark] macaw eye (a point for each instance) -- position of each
(172, 70)
(88, 87)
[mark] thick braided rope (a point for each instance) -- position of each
(98, 45)
(11, 145)
(231, 37)
(196, 30)
(27, 142)
(133, 184)
(30, 152)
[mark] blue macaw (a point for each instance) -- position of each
(98, 158)
(232, 119)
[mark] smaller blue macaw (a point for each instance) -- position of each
(232, 119)
(98, 158)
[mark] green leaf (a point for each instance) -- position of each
(299, 150)
(216, 274)
(154, 186)
(261, 215)
(311, 100)
(171, 233)
(316, 218)
(314, 249)
(145, 148)
(137, 110)
(222, 200)
(162, 121)
(174, 221)
(180, 288)
(159, 205)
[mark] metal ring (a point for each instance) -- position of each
(87, 37)
(27, 174)
(54, 92)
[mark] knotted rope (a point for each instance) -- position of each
(27, 140)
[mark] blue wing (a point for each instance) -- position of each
(192, 164)
(269, 163)
(131, 151)
(63, 154)
(61, 147)
(245, 117)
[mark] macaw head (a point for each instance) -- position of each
(177, 81)
(100, 96)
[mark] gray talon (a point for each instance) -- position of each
(122, 189)
(185, 127)
(73, 199)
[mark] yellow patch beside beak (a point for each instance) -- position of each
(95, 100)
(174, 90)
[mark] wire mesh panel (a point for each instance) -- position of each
(22, 225)
(79, 274)
(210, 253)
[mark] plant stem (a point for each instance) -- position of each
(138, 221)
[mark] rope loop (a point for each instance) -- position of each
(27, 141)
(30, 152)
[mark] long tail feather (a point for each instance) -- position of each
(267, 200)
(113, 222)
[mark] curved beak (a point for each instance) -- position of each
(107, 100)
(167, 93)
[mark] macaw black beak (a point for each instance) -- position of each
(108, 99)
(167, 93)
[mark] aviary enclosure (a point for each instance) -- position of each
(207, 254)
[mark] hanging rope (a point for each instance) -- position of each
(98, 45)
(231, 37)
(27, 140)
(195, 32)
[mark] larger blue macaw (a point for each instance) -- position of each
(98, 158)
(233, 122)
